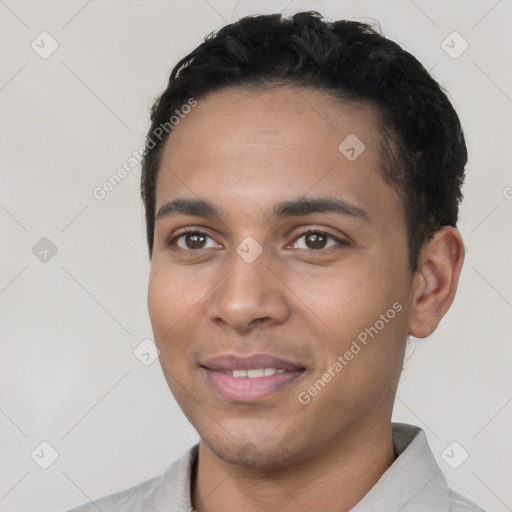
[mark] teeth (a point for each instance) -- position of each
(256, 372)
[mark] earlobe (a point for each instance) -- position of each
(435, 282)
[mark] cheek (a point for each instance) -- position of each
(177, 304)
(168, 320)
(161, 302)
(343, 298)
(349, 302)
(168, 302)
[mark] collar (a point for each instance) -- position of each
(414, 482)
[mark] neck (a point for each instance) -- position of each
(336, 479)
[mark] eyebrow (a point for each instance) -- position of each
(295, 207)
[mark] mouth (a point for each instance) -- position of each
(249, 379)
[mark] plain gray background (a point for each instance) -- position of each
(70, 321)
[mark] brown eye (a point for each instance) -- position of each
(195, 240)
(316, 240)
(192, 241)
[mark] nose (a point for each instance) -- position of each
(250, 295)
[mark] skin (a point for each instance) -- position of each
(246, 151)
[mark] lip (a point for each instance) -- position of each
(246, 389)
(234, 362)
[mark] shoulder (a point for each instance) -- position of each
(157, 494)
(459, 503)
(129, 500)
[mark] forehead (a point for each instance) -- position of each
(290, 112)
(263, 146)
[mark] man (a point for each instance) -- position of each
(301, 185)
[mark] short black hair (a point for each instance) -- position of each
(423, 147)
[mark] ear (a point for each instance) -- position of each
(435, 282)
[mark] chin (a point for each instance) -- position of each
(247, 455)
(251, 453)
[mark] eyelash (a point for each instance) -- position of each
(193, 231)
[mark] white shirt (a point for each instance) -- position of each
(413, 483)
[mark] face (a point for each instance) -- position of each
(281, 316)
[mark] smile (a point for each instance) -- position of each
(249, 379)
(256, 372)
(244, 387)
